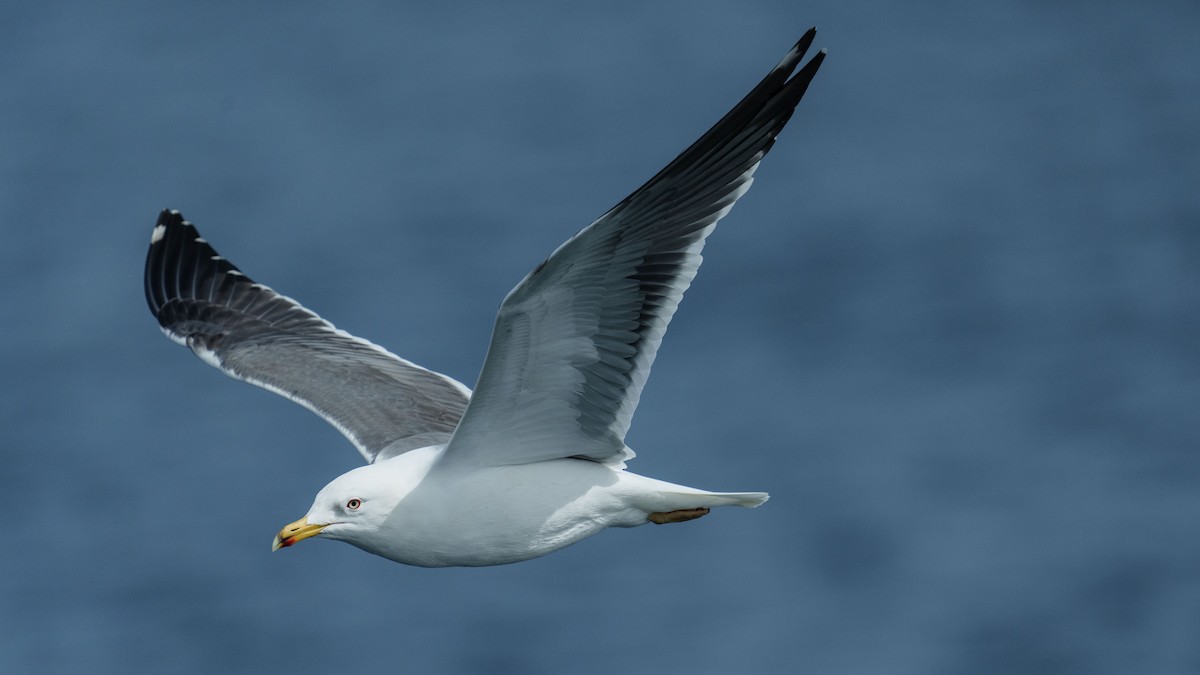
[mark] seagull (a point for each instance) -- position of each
(535, 458)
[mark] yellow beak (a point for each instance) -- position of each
(294, 532)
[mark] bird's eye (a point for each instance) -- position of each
(353, 504)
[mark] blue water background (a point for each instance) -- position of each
(954, 329)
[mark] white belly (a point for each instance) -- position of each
(505, 514)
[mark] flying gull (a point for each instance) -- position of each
(534, 459)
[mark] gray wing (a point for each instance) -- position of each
(574, 341)
(382, 403)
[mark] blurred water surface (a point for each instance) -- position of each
(952, 329)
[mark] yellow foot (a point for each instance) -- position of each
(676, 516)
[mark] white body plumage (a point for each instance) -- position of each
(411, 510)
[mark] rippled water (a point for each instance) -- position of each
(953, 330)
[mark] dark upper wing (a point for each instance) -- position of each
(382, 403)
(574, 341)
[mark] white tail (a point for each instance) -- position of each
(657, 496)
(679, 499)
(747, 499)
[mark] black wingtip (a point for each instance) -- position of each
(813, 63)
(162, 238)
(170, 218)
(799, 81)
(181, 265)
(793, 58)
(805, 41)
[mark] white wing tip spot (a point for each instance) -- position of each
(159, 232)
